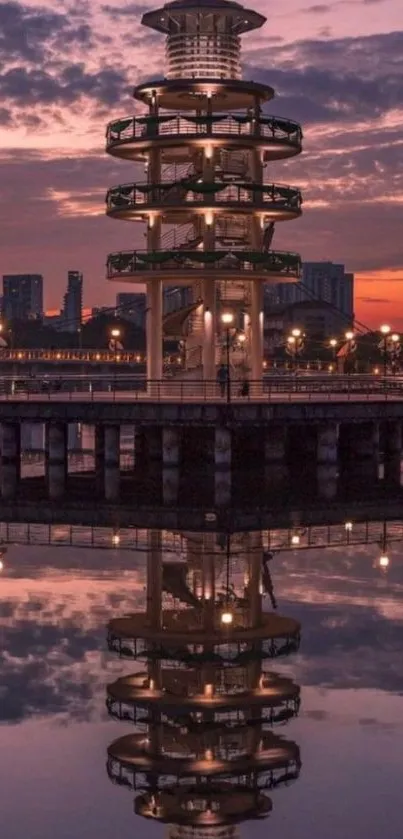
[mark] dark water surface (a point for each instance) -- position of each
(54, 667)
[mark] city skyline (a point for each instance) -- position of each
(319, 57)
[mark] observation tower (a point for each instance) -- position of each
(208, 205)
(204, 755)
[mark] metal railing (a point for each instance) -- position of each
(279, 197)
(132, 387)
(273, 262)
(277, 539)
(269, 128)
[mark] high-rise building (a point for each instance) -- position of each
(132, 306)
(73, 302)
(327, 282)
(22, 296)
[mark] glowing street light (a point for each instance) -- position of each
(227, 618)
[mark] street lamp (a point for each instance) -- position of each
(114, 345)
(227, 319)
(349, 336)
(385, 331)
(295, 343)
(333, 347)
(390, 345)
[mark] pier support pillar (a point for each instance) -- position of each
(99, 459)
(275, 462)
(56, 459)
(10, 459)
(392, 452)
(327, 460)
(112, 462)
(153, 436)
(361, 450)
(140, 454)
(170, 465)
(222, 463)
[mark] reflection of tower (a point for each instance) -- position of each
(209, 211)
(204, 706)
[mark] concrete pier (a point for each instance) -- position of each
(112, 462)
(222, 461)
(327, 459)
(10, 459)
(392, 452)
(275, 454)
(99, 457)
(56, 459)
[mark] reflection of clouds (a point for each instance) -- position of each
(53, 627)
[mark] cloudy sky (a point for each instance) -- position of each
(67, 69)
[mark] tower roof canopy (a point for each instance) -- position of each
(165, 18)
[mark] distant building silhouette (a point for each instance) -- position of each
(22, 296)
(71, 315)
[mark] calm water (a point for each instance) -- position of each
(54, 666)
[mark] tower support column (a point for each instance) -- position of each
(154, 578)
(154, 333)
(209, 329)
(256, 327)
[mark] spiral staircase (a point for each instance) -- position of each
(209, 212)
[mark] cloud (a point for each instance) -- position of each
(317, 9)
(136, 10)
(377, 300)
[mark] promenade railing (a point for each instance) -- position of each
(272, 388)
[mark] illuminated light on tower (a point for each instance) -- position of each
(208, 208)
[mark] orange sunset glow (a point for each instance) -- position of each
(336, 68)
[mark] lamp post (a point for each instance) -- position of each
(333, 347)
(227, 319)
(295, 343)
(385, 331)
(349, 336)
(390, 345)
(114, 345)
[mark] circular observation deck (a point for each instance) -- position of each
(189, 756)
(276, 696)
(130, 636)
(131, 138)
(203, 806)
(203, 94)
(179, 201)
(180, 267)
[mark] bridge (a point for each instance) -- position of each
(326, 421)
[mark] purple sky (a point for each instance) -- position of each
(67, 69)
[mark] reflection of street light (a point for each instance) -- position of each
(383, 560)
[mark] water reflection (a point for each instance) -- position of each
(203, 753)
(218, 701)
